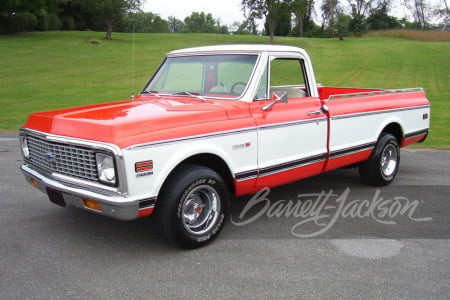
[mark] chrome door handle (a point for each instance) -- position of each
(313, 113)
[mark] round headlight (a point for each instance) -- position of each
(105, 168)
(24, 146)
(108, 169)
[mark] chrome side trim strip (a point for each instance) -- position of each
(224, 133)
(190, 138)
(293, 123)
(377, 112)
(269, 126)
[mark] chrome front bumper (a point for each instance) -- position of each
(111, 204)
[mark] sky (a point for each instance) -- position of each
(228, 11)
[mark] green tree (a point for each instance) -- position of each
(108, 12)
(17, 16)
(329, 13)
(175, 25)
(334, 21)
(280, 18)
(221, 29)
(420, 9)
(379, 19)
(247, 27)
(270, 10)
(360, 8)
(302, 10)
(358, 24)
(342, 25)
(159, 25)
(145, 22)
(74, 17)
(200, 23)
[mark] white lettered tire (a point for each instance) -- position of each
(192, 206)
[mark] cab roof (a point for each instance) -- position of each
(236, 48)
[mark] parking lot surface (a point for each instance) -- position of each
(264, 252)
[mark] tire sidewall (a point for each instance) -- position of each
(371, 171)
(201, 238)
(389, 140)
(169, 212)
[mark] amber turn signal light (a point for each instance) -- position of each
(34, 182)
(92, 204)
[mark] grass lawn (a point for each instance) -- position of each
(41, 71)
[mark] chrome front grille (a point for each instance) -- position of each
(63, 159)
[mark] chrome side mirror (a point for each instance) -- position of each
(277, 96)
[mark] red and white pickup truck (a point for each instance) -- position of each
(215, 122)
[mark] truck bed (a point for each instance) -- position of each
(336, 93)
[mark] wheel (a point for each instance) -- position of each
(193, 206)
(382, 166)
(237, 88)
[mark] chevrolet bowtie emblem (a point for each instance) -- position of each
(50, 157)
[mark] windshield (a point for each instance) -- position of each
(218, 76)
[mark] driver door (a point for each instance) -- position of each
(292, 136)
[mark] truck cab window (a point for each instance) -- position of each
(285, 75)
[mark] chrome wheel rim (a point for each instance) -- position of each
(200, 210)
(389, 160)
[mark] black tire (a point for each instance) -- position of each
(382, 166)
(192, 207)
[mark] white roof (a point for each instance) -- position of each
(237, 48)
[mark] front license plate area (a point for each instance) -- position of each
(56, 197)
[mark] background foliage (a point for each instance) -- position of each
(310, 18)
(49, 70)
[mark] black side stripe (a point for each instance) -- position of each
(309, 160)
(147, 203)
(416, 134)
(292, 164)
(351, 150)
(301, 162)
(280, 167)
(246, 175)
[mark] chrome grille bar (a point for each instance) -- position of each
(67, 160)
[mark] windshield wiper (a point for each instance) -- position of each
(196, 95)
(153, 93)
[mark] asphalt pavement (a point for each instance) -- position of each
(325, 237)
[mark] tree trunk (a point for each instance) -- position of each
(301, 28)
(109, 29)
(272, 24)
(446, 6)
(419, 12)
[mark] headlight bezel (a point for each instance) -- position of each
(24, 147)
(106, 168)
